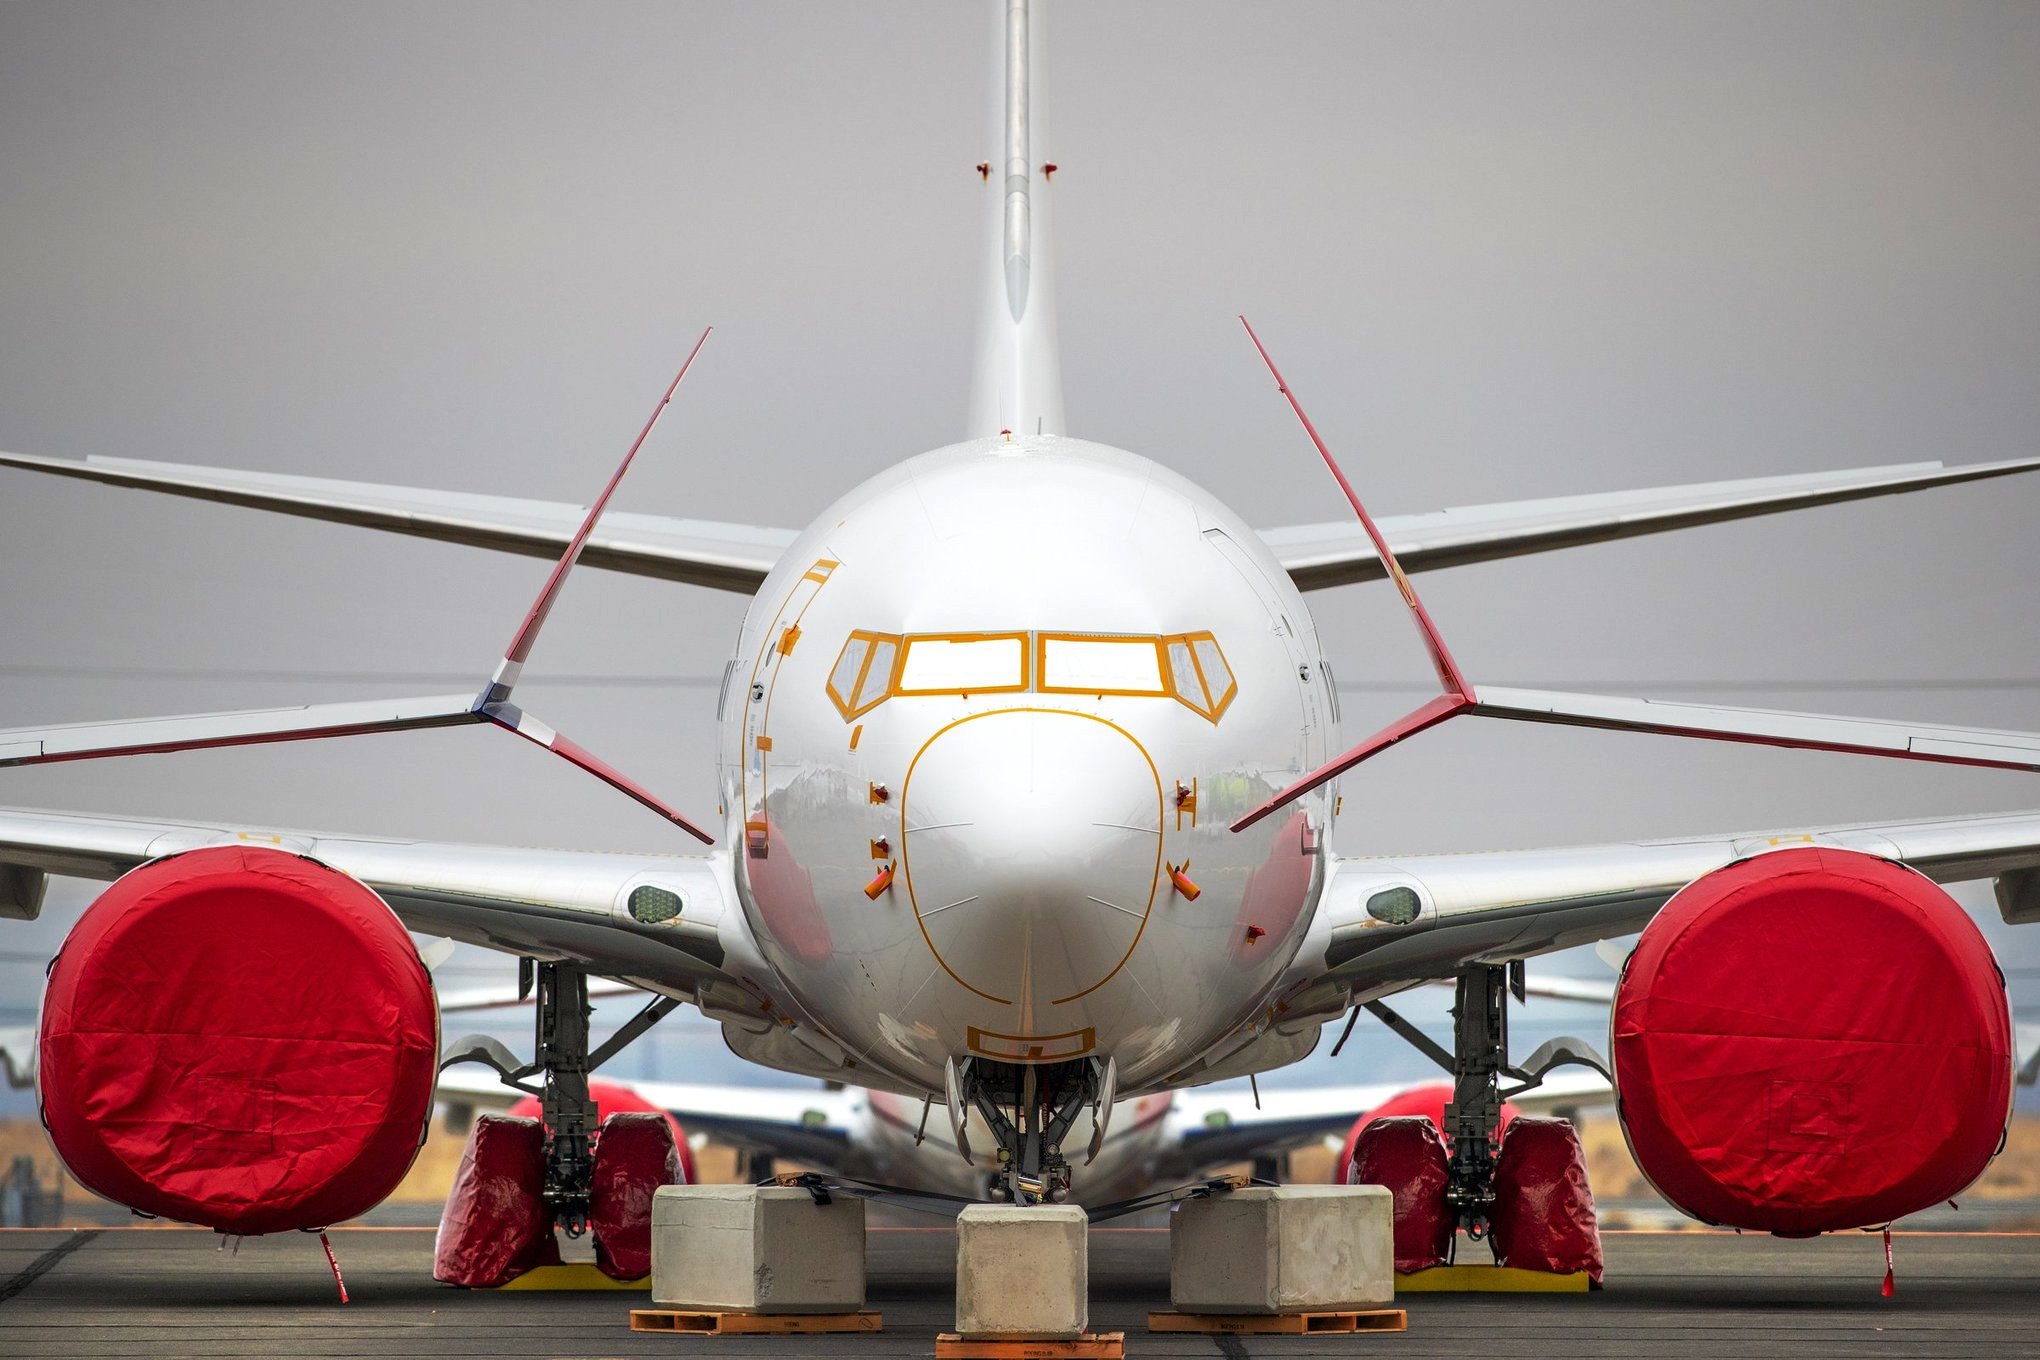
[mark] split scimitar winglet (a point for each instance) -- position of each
(304, 722)
(494, 701)
(1458, 695)
(1710, 722)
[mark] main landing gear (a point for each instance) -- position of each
(562, 1061)
(1478, 1061)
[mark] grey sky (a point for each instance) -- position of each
(1501, 251)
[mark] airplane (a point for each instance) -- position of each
(1029, 763)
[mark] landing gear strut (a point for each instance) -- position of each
(563, 1101)
(1030, 1110)
(562, 1059)
(1478, 1061)
(1473, 1119)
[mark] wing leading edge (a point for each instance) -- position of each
(1317, 556)
(698, 552)
(1497, 906)
(561, 905)
(726, 556)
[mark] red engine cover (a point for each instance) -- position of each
(1810, 1040)
(240, 1038)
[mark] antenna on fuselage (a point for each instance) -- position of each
(1017, 383)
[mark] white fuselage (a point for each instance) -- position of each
(1031, 678)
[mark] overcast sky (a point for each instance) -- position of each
(1501, 251)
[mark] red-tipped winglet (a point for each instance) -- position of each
(1458, 695)
(532, 730)
(1712, 722)
(494, 701)
(1449, 674)
(87, 741)
(527, 632)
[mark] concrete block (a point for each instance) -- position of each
(1023, 1270)
(1283, 1249)
(756, 1249)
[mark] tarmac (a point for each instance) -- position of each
(164, 1292)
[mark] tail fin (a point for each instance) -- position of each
(1017, 386)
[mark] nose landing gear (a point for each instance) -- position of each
(1029, 1110)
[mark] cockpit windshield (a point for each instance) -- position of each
(1076, 664)
(964, 663)
(1187, 667)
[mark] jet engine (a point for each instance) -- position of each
(241, 1038)
(1810, 1040)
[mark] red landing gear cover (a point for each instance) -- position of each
(241, 1038)
(1407, 1154)
(1810, 1040)
(615, 1098)
(1543, 1218)
(496, 1225)
(634, 1156)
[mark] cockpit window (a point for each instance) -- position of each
(1186, 667)
(1202, 678)
(863, 673)
(964, 663)
(1101, 665)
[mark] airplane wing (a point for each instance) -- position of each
(558, 905)
(1321, 555)
(699, 552)
(1497, 906)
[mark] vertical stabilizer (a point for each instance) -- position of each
(1018, 382)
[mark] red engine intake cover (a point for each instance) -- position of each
(240, 1038)
(1810, 1040)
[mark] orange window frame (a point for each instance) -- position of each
(846, 704)
(1041, 641)
(1212, 707)
(896, 688)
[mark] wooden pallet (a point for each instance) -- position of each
(1282, 1324)
(1089, 1346)
(700, 1322)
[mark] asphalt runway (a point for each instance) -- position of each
(171, 1292)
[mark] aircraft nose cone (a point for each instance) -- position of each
(1032, 856)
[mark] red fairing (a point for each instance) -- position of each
(1543, 1215)
(615, 1098)
(496, 1224)
(1407, 1154)
(634, 1157)
(1811, 1040)
(240, 1038)
(1429, 1101)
